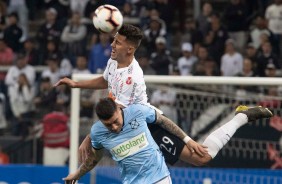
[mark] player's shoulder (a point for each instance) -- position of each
(136, 71)
(133, 108)
(136, 66)
(97, 128)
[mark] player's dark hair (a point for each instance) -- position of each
(106, 108)
(133, 34)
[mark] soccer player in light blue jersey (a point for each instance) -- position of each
(124, 132)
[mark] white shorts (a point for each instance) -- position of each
(166, 180)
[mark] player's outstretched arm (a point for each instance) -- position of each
(91, 161)
(171, 127)
(96, 83)
(84, 149)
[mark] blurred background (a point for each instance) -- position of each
(42, 41)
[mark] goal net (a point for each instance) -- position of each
(199, 105)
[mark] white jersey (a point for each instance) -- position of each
(127, 84)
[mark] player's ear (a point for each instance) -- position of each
(130, 50)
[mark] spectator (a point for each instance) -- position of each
(154, 30)
(63, 97)
(87, 100)
(3, 109)
(236, 17)
(62, 8)
(273, 15)
(99, 54)
(203, 20)
(21, 96)
(161, 59)
(31, 52)
(55, 137)
(73, 37)
(264, 37)
(270, 70)
(65, 67)
(215, 38)
(202, 56)
(4, 158)
(144, 63)
(207, 68)
(165, 13)
(78, 6)
(248, 69)
(45, 99)
(129, 13)
(2, 19)
(13, 33)
(6, 59)
(251, 52)
(196, 37)
(265, 58)
(231, 61)
(20, 67)
(20, 7)
(50, 30)
(260, 27)
(186, 62)
(90, 7)
(53, 70)
(52, 49)
(81, 65)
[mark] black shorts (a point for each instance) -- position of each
(170, 145)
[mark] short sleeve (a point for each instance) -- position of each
(106, 72)
(95, 144)
(149, 113)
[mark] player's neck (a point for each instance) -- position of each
(125, 62)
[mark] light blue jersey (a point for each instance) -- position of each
(139, 159)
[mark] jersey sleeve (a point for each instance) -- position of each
(106, 72)
(149, 113)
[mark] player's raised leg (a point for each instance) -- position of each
(218, 138)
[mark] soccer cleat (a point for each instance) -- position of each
(254, 113)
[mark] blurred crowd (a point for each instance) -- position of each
(243, 39)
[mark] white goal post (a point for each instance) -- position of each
(75, 98)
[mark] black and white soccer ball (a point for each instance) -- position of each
(107, 18)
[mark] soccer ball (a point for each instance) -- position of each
(107, 18)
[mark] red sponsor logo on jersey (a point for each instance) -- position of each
(128, 80)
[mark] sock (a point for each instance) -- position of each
(218, 138)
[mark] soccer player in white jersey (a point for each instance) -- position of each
(125, 81)
(124, 132)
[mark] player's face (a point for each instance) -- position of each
(114, 124)
(120, 48)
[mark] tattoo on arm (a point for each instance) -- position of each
(170, 126)
(90, 162)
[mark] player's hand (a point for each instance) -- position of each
(84, 149)
(195, 147)
(65, 81)
(71, 178)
